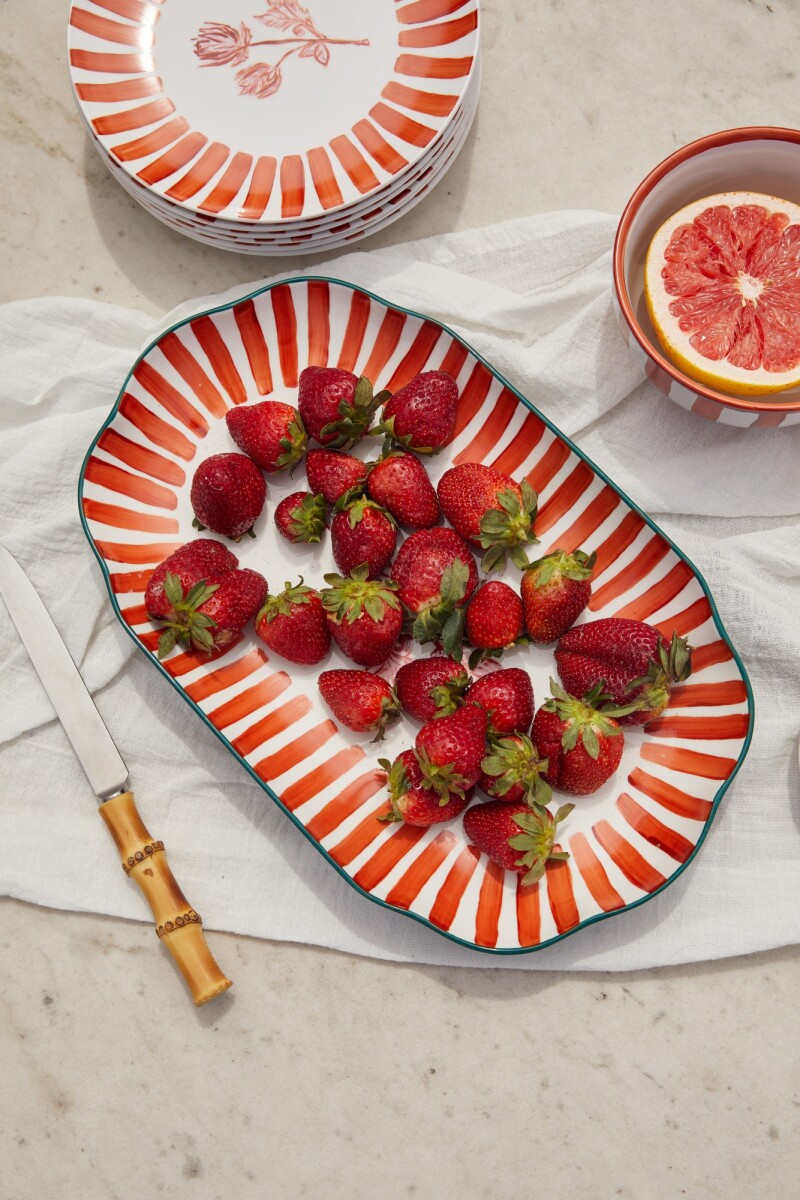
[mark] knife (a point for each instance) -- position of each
(143, 858)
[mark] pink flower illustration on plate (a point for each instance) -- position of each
(218, 45)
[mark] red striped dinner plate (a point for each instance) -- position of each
(626, 842)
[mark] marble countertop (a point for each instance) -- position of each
(321, 1075)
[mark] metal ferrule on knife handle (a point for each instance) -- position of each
(177, 924)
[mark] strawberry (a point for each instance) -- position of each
(506, 696)
(363, 533)
(491, 510)
(581, 739)
(630, 658)
(336, 406)
(450, 750)
(301, 517)
(364, 615)
(516, 836)
(414, 803)
(332, 473)
(430, 687)
(512, 771)
(494, 620)
(555, 591)
(292, 623)
(203, 597)
(436, 575)
(271, 433)
(360, 700)
(422, 415)
(227, 495)
(400, 483)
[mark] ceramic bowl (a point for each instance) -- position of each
(755, 158)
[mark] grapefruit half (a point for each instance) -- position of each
(722, 286)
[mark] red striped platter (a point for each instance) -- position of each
(626, 842)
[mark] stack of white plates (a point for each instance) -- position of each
(282, 130)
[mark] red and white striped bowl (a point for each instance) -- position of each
(629, 840)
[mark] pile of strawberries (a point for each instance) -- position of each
(477, 732)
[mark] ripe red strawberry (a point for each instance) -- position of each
(630, 658)
(450, 750)
(506, 696)
(228, 493)
(555, 591)
(364, 616)
(414, 803)
(331, 473)
(422, 415)
(203, 597)
(516, 836)
(301, 517)
(494, 620)
(336, 406)
(491, 510)
(400, 483)
(292, 623)
(431, 687)
(436, 575)
(363, 533)
(512, 771)
(271, 433)
(580, 739)
(360, 700)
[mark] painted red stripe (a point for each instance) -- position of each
(490, 901)
(409, 886)
(182, 664)
(362, 836)
(151, 143)
(150, 639)
(111, 64)
(593, 874)
(134, 118)
(155, 429)
(689, 762)
(388, 856)
(129, 581)
(148, 462)
(270, 725)
(228, 186)
(645, 561)
(134, 10)
(617, 542)
(181, 358)
(427, 10)
(521, 445)
(709, 656)
(293, 186)
(433, 103)
(416, 358)
(696, 614)
(136, 555)
(548, 465)
(319, 323)
(255, 346)
(653, 830)
(454, 360)
(564, 497)
(246, 702)
(345, 804)
(323, 178)
(560, 895)
(110, 31)
(441, 34)
(379, 148)
(385, 343)
(116, 480)
(358, 170)
(659, 594)
(734, 725)
(294, 752)
(127, 518)
(475, 391)
(176, 157)
(200, 172)
(698, 695)
(260, 189)
(707, 408)
(135, 615)
(401, 126)
(225, 677)
(286, 330)
(321, 777)
(592, 517)
(119, 92)
(491, 431)
(169, 397)
(220, 358)
(529, 917)
(360, 307)
(452, 890)
(671, 798)
(432, 68)
(637, 870)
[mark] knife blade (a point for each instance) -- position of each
(143, 858)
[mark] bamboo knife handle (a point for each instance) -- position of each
(177, 924)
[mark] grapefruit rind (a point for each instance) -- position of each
(717, 374)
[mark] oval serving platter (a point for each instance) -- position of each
(629, 840)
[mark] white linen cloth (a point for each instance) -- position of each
(534, 297)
